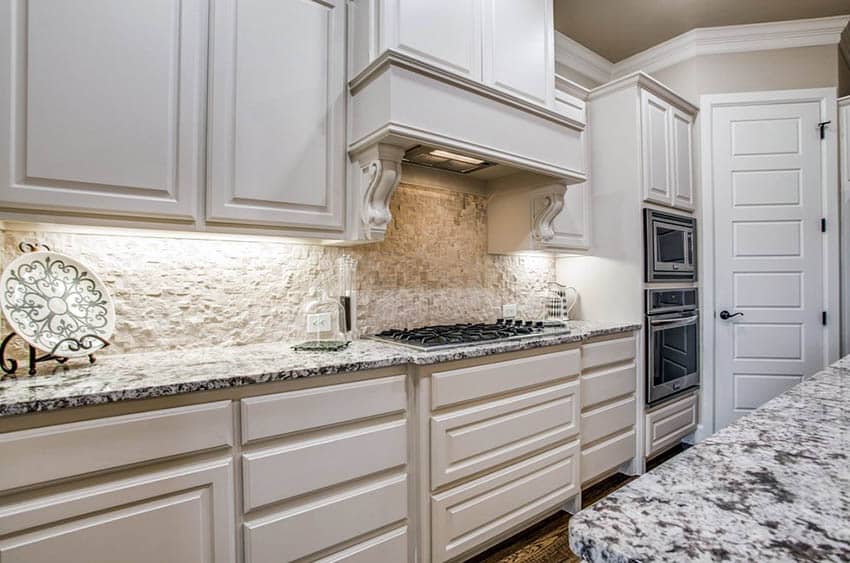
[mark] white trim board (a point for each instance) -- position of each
(705, 249)
(574, 55)
(707, 41)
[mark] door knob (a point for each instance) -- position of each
(726, 315)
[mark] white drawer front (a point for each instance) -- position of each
(670, 423)
(279, 473)
(470, 440)
(310, 528)
(607, 455)
(29, 456)
(386, 548)
(607, 419)
(456, 386)
(604, 384)
(285, 413)
(595, 354)
(473, 513)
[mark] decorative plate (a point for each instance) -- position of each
(56, 304)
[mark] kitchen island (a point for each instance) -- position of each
(773, 486)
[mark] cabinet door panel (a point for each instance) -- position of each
(277, 132)
(185, 512)
(106, 103)
(519, 49)
(656, 149)
(457, 46)
(683, 176)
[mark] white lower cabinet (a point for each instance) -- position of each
(473, 513)
(609, 406)
(325, 474)
(668, 423)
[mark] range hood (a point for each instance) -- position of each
(402, 109)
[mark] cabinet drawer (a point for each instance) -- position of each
(29, 456)
(315, 526)
(475, 512)
(669, 423)
(458, 385)
(186, 511)
(605, 384)
(607, 455)
(308, 464)
(597, 354)
(470, 440)
(284, 413)
(386, 548)
(607, 420)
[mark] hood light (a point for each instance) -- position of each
(454, 156)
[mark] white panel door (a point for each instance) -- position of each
(276, 144)
(656, 131)
(681, 131)
(102, 106)
(519, 49)
(769, 251)
(444, 33)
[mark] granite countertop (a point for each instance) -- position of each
(159, 374)
(773, 486)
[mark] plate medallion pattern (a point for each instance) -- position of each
(54, 302)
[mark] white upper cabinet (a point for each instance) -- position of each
(666, 138)
(519, 49)
(508, 45)
(102, 106)
(457, 45)
(277, 131)
(656, 114)
(682, 159)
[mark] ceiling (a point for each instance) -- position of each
(617, 29)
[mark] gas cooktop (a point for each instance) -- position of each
(440, 337)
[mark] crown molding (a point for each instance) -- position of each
(738, 39)
(579, 58)
(642, 80)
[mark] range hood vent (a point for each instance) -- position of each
(444, 160)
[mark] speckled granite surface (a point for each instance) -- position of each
(159, 374)
(774, 486)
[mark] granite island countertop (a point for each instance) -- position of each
(773, 486)
(159, 374)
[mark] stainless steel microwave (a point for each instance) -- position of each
(670, 252)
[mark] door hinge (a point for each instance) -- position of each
(823, 225)
(823, 318)
(822, 126)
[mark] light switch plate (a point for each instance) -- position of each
(509, 311)
(319, 322)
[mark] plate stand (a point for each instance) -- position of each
(10, 365)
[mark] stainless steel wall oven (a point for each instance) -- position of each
(672, 326)
(670, 246)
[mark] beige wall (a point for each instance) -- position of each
(778, 69)
(181, 291)
(843, 74)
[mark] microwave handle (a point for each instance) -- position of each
(690, 247)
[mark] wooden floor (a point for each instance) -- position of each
(547, 542)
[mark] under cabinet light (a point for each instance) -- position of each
(453, 156)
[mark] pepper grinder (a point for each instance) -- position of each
(346, 276)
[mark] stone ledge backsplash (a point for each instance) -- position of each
(183, 292)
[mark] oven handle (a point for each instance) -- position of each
(682, 320)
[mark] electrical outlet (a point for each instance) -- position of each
(509, 311)
(319, 322)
